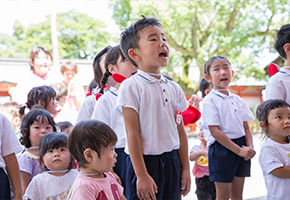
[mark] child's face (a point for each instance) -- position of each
(106, 161)
(41, 64)
(37, 130)
(51, 107)
(220, 74)
(125, 68)
(68, 75)
(57, 159)
(278, 124)
(153, 51)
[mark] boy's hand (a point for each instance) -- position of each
(195, 100)
(146, 188)
(185, 182)
(247, 152)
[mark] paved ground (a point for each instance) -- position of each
(254, 188)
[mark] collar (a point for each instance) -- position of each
(222, 95)
(114, 91)
(150, 79)
(285, 71)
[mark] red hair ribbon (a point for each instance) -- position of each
(104, 86)
(88, 94)
(98, 96)
(273, 69)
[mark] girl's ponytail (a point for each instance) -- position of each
(104, 81)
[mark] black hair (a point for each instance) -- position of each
(264, 109)
(92, 86)
(203, 86)
(282, 37)
(98, 74)
(92, 134)
(38, 115)
(112, 58)
(207, 65)
(41, 93)
(63, 125)
(53, 141)
(131, 35)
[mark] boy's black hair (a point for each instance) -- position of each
(63, 125)
(130, 36)
(264, 109)
(207, 65)
(203, 86)
(112, 58)
(53, 141)
(282, 37)
(38, 115)
(92, 134)
(98, 74)
(43, 93)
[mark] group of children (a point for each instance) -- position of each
(129, 141)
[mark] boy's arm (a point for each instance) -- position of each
(183, 157)
(25, 179)
(282, 172)
(196, 155)
(146, 187)
(245, 152)
(248, 136)
(13, 173)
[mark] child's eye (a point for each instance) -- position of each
(62, 149)
(153, 39)
(278, 117)
(164, 39)
(48, 127)
(50, 151)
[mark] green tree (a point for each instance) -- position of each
(241, 30)
(79, 37)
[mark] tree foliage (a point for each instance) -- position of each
(79, 37)
(241, 30)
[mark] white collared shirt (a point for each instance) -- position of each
(155, 101)
(278, 86)
(105, 111)
(227, 112)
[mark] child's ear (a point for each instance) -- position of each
(286, 48)
(41, 103)
(263, 125)
(88, 154)
(133, 54)
(233, 73)
(207, 78)
(111, 69)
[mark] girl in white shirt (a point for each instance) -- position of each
(274, 117)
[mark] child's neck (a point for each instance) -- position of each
(92, 173)
(224, 91)
(156, 73)
(58, 173)
(33, 150)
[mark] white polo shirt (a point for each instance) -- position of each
(227, 112)
(278, 86)
(155, 101)
(8, 141)
(105, 111)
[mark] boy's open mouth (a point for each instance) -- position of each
(224, 79)
(163, 54)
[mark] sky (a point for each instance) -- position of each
(34, 11)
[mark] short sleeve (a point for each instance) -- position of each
(274, 90)
(101, 110)
(247, 113)
(128, 96)
(32, 190)
(210, 115)
(269, 159)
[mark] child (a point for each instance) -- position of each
(40, 97)
(205, 189)
(87, 107)
(105, 111)
(40, 64)
(35, 124)
(55, 182)
(226, 116)
(274, 117)
(151, 107)
(92, 144)
(278, 86)
(9, 146)
(65, 126)
(11, 110)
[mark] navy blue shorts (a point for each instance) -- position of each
(224, 165)
(165, 170)
(120, 167)
(4, 185)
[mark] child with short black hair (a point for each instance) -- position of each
(9, 146)
(40, 97)
(274, 117)
(35, 124)
(151, 106)
(226, 115)
(278, 86)
(92, 144)
(55, 182)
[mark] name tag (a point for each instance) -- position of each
(178, 117)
